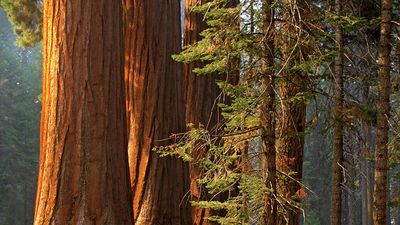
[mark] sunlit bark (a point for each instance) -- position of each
(83, 175)
(155, 110)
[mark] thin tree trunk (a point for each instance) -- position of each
(383, 111)
(365, 164)
(268, 114)
(292, 114)
(83, 174)
(351, 198)
(155, 110)
(370, 186)
(364, 192)
(337, 164)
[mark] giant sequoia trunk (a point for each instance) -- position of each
(201, 93)
(383, 111)
(155, 110)
(202, 96)
(337, 164)
(292, 114)
(83, 175)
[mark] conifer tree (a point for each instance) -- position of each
(337, 175)
(155, 110)
(383, 115)
(201, 97)
(83, 174)
(267, 115)
(291, 115)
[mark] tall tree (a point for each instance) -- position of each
(201, 93)
(202, 96)
(83, 176)
(337, 175)
(383, 114)
(267, 109)
(291, 115)
(155, 110)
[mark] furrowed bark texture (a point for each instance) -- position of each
(155, 110)
(202, 96)
(291, 116)
(83, 175)
(268, 114)
(383, 111)
(337, 164)
(201, 93)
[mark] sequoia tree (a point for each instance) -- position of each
(202, 96)
(155, 110)
(83, 175)
(383, 111)
(201, 93)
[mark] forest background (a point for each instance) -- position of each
(20, 107)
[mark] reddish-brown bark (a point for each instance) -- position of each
(83, 175)
(201, 93)
(155, 110)
(201, 98)
(383, 111)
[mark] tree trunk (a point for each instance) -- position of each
(366, 184)
(268, 114)
(83, 174)
(337, 164)
(201, 93)
(292, 114)
(351, 188)
(383, 111)
(155, 110)
(364, 197)
(202, 96)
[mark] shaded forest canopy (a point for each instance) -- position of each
(291, 111)
(20, 75)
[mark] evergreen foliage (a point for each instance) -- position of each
(26, 17)
(231, 153)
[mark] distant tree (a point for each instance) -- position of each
(83, 174)
(19, 126)
(267, 114)
(338, 162)
(291, 124)
(383, 115)
(155, 109)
